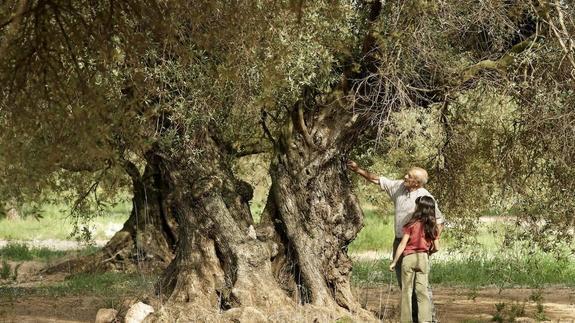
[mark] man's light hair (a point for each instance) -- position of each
(420, 174)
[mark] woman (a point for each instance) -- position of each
(420, 236)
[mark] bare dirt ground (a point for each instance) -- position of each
(35, 309)
(452, 304)
(477, 305)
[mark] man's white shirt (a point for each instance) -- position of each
(404, 202)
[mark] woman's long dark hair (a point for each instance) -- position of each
(425, 212)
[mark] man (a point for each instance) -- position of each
(403, 193)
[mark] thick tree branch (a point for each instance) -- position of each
(569, 46)
(248, 150)
(263, 118)
(302, 126)
(367, 60)
(500, 65)
(132, 171)
(12, 25)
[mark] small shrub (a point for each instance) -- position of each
(473, 293)
(15, 272)
(5, 270)
(540, 314)
(536, 296)
(504, 313)
(517, 310)
(497, 317)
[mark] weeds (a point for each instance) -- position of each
(5, 270)
(15, 273)
(537, 297)
(473, 293)
(504, 313)
(21, 252)
(540, 314)
(480, 271)
(517, 310)
(112, 285)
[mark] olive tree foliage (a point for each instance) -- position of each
(74, 132)
(87, 86)
(516, 164)
(61, 96)
(493, 129)
(100, 67)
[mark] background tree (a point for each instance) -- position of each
(69, 129)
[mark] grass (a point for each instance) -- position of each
(56, 224)
(377, 233)
(486, 267)
(21, 252)
(506, 270)
(101, 285)
(480, 270)
(5, 270)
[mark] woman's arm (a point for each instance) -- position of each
(434, 246)
(399, 251)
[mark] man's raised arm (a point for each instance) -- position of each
(365, 174)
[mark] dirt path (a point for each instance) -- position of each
(478, 305)
(20, 309)
(452, 304)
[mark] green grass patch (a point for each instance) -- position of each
(21, 252)
(55, 223)
(507, 270)
(102, 285)
(372, 272)
(377, 233)
(534, 271)
(5, 270)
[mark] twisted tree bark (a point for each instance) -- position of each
(221, 266)
(147, 239)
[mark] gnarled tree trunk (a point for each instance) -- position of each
(293, 266)
(148, 238)
(316, 213)
(226, 267)
(221, 270)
